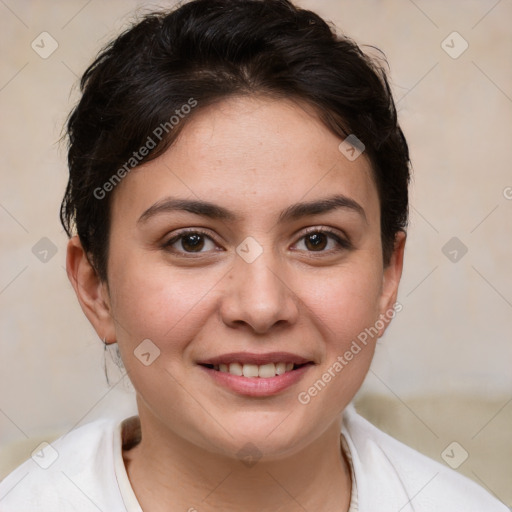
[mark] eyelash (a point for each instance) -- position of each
(343, 244)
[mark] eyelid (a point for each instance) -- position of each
(342, 239)
(185, 231)
(324, 229)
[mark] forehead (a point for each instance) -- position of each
(246, 152)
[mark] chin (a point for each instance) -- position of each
(272, 437)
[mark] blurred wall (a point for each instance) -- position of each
(452, 337)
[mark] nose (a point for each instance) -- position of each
(258, 296)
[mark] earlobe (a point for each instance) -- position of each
(91, 292)
(391, 278)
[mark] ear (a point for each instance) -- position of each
(390, 281)
(92, 293)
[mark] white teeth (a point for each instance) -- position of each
(264, 371)
(267, 370)
(250, 370)
(280, 368)
(236, 369)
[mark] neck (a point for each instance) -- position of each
(165, 469)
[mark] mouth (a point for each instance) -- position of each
(256, 375)
(263, 371)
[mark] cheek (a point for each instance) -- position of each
(164, 308)
(345, 308)
(345, 304)
(153, 302)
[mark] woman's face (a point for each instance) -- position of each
(234, 277)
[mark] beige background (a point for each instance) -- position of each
(441, 373)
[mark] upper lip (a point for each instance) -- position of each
(253, 358)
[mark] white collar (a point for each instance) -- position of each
(130, 427)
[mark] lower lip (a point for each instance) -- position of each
(257, 386)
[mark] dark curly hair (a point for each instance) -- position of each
(207, 50)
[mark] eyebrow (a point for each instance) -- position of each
(214, 211)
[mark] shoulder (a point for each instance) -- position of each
(68, 474)
(392, 476)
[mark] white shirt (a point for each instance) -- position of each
(89, 475)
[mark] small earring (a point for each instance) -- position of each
(115, 365)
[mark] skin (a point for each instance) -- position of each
(254, 156)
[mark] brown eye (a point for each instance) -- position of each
(192, 243)
(189, 242)
(324, 241)
(316, 241)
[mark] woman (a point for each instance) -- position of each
(239, 189)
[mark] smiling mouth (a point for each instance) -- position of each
(263, 371)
